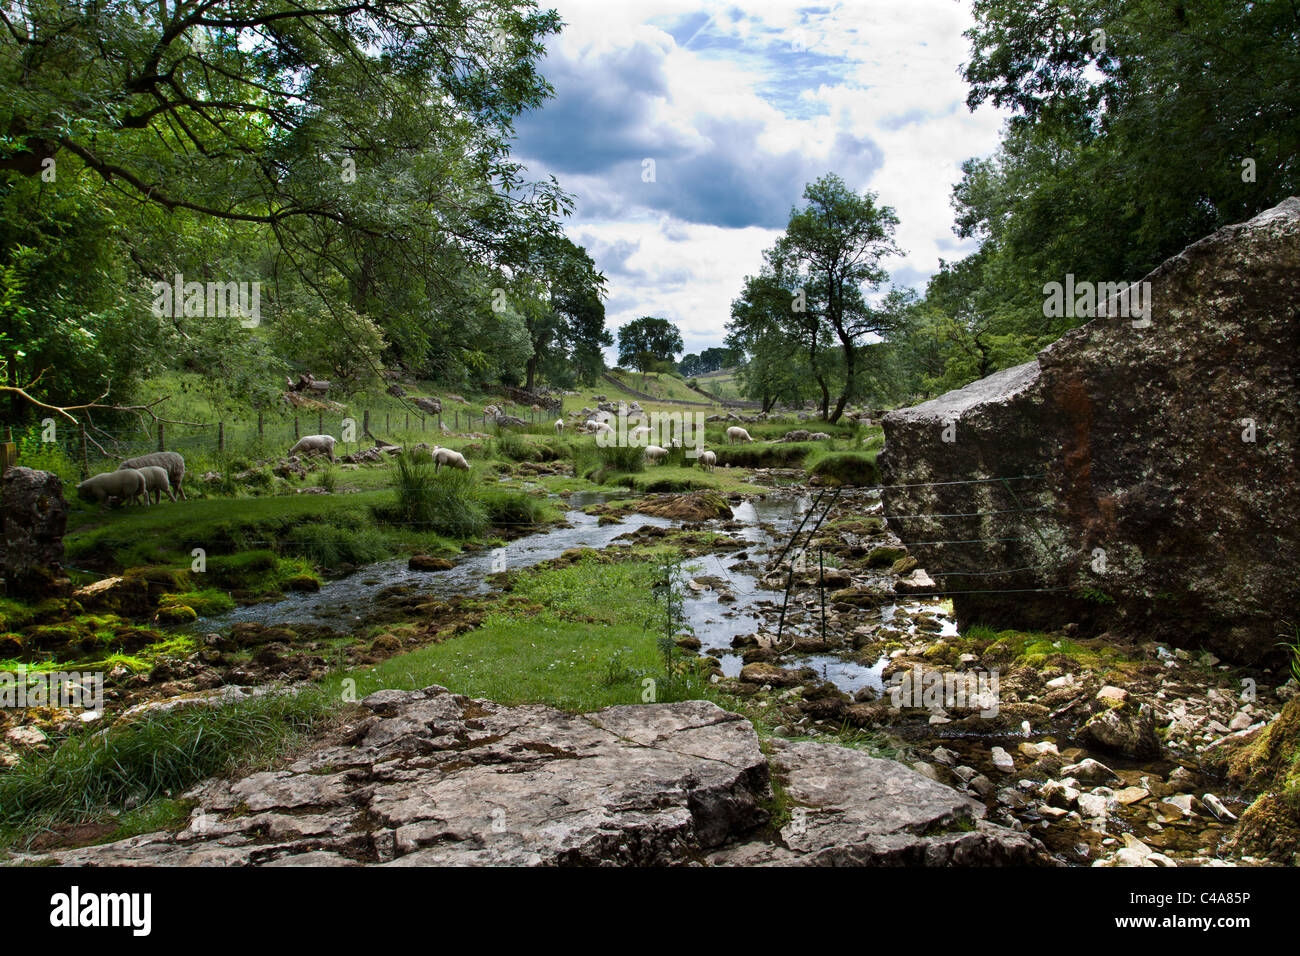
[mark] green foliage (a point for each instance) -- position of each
(648, 344)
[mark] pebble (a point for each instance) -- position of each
(1002, 760)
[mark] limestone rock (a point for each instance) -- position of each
(1171, 446)
(33, 518)
(434, 778)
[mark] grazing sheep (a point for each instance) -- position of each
(641, 431)
(654, 453)
(452, 459)
(599, 428)
(708, 460)
(737, 434)
(125, 483)
(170, 460)
(309, 445)
(156, 483)
(559, 426)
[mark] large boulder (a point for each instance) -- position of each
(1134, 475)
(33, 518)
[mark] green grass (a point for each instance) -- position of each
(574, 637)
(154, 756)
(846, 468)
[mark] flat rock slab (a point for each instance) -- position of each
(434, 778)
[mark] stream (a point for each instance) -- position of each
(766, 523)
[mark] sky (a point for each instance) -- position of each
(739, 106)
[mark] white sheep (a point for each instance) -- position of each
(156, 483)
(599, 428)
(445, 456)
(737, 434)
(654, 453)
(559, 426)
(125, 483)
(309, 445)
(708, 460)
(641, 431)
(170, 460)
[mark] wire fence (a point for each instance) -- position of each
(91, 448)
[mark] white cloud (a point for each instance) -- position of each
(740, 105)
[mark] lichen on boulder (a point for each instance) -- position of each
(1138, 474)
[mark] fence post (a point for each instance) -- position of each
(387, 423)
(821, 585)
(458, 419)
(408, 421)
(320, 422)
(162, 442)
(365, 422)
(259, 424)
(295, 426)
(221, 437)
(85, 457)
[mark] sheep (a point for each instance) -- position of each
(170, 460)
(654, 453)
(156, 483)
(737, 434)
(599, 428)
(309, 445)
(559, 426)
(452, 459)
(125, 483)
(641, 431)
(708, 460)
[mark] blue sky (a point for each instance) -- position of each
(740, 106)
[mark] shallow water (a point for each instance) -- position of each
(767, 524)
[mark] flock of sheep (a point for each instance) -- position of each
(147, 478)
(143, 478)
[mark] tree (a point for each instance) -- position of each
(835, 244)
(784, 346)
(565, 316)
(648, 343)
(361, 139)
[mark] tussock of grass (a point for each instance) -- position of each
(444, 502)
(155, 755)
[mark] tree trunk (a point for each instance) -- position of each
(850, 379)
(532, 372)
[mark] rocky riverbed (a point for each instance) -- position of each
(1107, 750)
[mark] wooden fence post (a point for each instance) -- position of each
(408, 421)
(320, 422)
(85, 457)
(221, 437)
(259, 425)
(365, 422)
(162, 441)
(295, 427)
